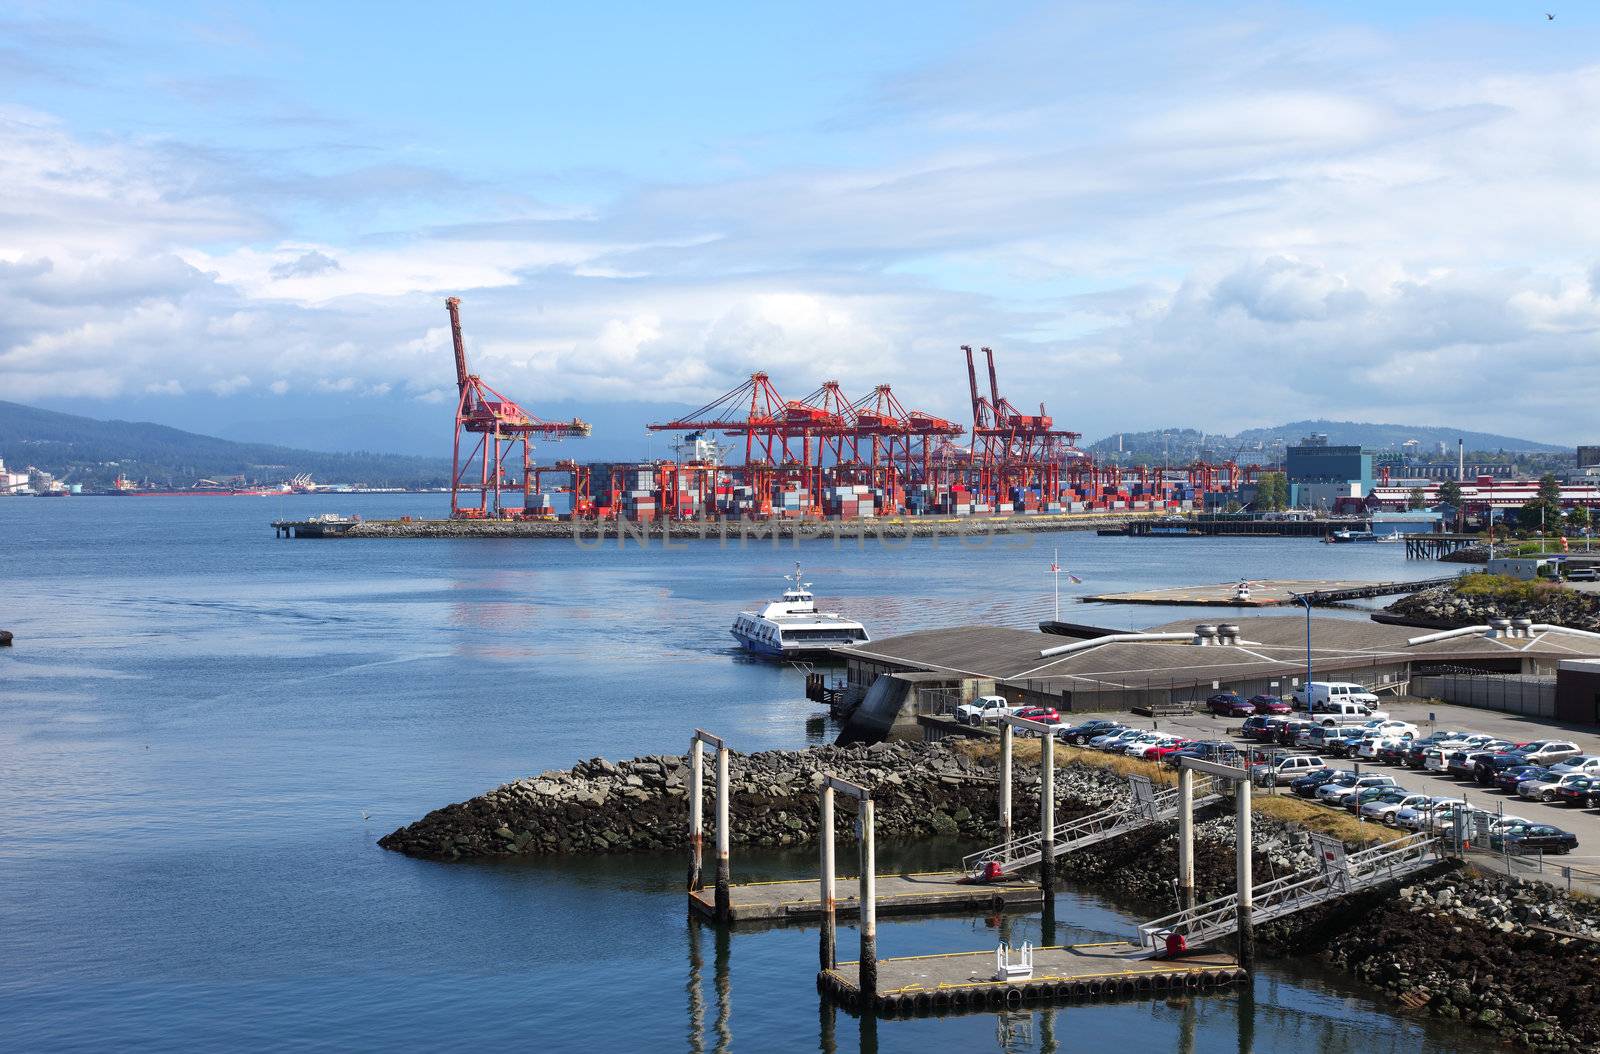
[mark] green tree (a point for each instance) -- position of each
(1450, 493)
(1550, 489)
(1417, 499)
(1578, 517)
(1539, 515)
(1272, 492)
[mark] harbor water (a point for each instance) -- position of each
(204, 730)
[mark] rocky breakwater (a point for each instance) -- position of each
(1459, 606)
(601, 806)
(1521, 959)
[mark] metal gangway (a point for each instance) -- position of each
(1147, 806)
(1338, 874)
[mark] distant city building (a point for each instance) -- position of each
(1321, 475)
(1588, 457)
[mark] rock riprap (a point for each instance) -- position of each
(601, 806)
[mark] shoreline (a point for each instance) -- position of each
(744, 532)
(1442, 942)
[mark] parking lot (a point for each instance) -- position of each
(1585, 823)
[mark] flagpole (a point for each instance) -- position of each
(1055, 576)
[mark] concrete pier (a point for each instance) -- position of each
(931, 893)
(1267, 592)
(961, 982)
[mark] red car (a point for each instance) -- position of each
(1159, 753)
(1270, 704)
(1042, 714)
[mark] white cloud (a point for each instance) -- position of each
(1236, 220)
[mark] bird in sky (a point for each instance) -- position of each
(1548, 17)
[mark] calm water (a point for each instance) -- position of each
(203, 730)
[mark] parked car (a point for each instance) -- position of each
(1584, 792)
(1371, 746)
(1229, 704)
(1082, 733)
(1043, 714)
(1205, 750)
(1417, 817)
(1254, 728)
(1335, 794)
(1549, 751)
(1147, 751)
(1334, 715)
(1101, 742)
(1284, 769)
(1161, 753)
(1510, 779)
(1544, 788)
(1541, 837)
(1463, 764)
(1354, 802)
(1385, 806)
(1306, 786)
(1271, 704)
(1487, 768)
(1319, 739)
(984, 710)
(1583, 764)
(1583, 574)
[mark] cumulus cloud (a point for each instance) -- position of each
(1238, 220)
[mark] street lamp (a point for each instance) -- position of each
(1302, 598)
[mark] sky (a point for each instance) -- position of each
(243, 218)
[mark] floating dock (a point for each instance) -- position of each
(927, 894)
(1266, 592)
(960, 982)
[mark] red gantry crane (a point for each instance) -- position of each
(1011, 449)
(491, 428)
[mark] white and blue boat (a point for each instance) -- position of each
(793, 627)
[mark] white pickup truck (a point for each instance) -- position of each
(986, 709)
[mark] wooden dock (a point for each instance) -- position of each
(933, 893)
(960, 982)
(1266, 593)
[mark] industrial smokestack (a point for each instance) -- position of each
(1461, 460)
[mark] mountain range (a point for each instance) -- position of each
(93, 452)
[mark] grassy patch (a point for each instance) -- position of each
(1336, 822)
(1502, 587)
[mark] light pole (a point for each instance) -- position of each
(1307, 602)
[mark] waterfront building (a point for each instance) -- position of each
(1320, 474)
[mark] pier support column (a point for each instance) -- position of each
(1005, 783)
(1186, 838)
(697, 824)
(1047, 817)
(1247, 936)
(723, 874)
(868, 976)
(827, 949)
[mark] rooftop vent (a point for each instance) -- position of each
(1499, 627)
(1205, 634)
(1522, 627)
(1227, 633)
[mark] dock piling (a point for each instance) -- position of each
(869, 909)
(1005, 783)
(1047, 816)
(1186, 838)
(724, 875)
(697, 827)
(1247, 937)
(828, 948)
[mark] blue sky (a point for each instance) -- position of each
(243, 218)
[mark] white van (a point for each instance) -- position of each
(1328, 693)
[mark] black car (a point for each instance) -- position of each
(1487, 768)
(1534, 838)
(1306, 786)
(1584, 793)
(1393, 753)
(1255, 728)
(1080, 734)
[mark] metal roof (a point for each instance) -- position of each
(1268, 645)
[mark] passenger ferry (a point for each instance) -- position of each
(794, 627)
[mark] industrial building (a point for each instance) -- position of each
(1321, 476)
(928, 673)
